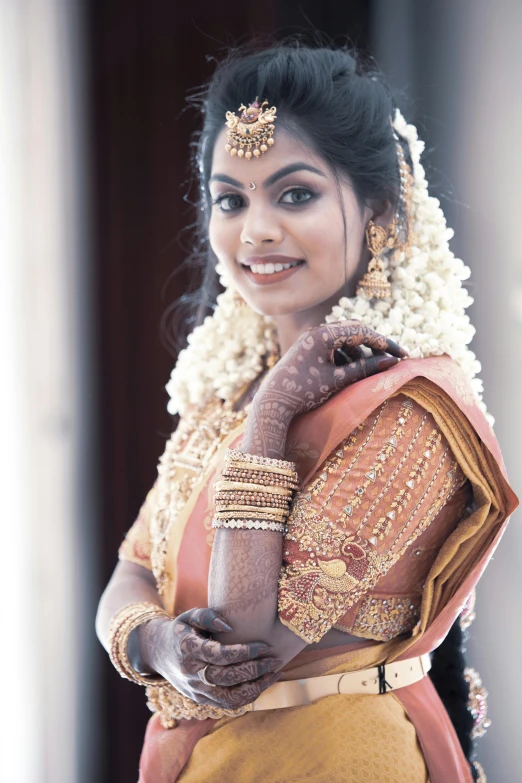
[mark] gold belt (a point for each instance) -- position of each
(378, 679)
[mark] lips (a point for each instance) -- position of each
(270, 269)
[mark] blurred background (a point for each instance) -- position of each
(94, 168)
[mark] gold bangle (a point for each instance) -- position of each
(255, 477)
(250, 515)
(250, 524)
(122, 625)
(243, 456)
(239, 465)
(221, 486)
(260, 509)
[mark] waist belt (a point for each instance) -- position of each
(379, 679)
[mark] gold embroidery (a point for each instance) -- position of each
(385, 618)
(173, 706)
(328, 567)
(187, 455)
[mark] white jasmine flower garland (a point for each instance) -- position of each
(425, 313)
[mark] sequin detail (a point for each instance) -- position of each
(335, 557)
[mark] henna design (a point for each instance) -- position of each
(244, 569)
(307, 376)
(178, 650)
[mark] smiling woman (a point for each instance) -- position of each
(312, 523)
(297, 209)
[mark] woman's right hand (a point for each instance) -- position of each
(309, 374)
(180, 648)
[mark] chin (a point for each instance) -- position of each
(272, 308)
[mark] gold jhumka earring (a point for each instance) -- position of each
(250, 134)
(396, 236)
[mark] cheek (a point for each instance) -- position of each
(221, 235)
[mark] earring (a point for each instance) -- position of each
(237, 299)
(375, 284)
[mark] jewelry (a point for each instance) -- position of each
(121, 627)
(238, 299)
(254, 128)
(250, 524)
(262, 478)
(236, 458)
(252, 185)
(252, 515)
(397, 236)
(228, 486)
(202, 674)
(375, 284)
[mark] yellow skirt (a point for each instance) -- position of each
(339, 739)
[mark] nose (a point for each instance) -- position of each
(260, 226)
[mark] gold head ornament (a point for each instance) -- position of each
(250, 134)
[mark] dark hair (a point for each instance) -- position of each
(330, 98)
(339, 104)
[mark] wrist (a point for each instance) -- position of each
(147, 646)
(265, 434)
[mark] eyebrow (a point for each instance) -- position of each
(273, 178)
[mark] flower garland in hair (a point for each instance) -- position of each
(425, 313)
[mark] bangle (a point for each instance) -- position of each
(262, 489)
(252, 515)
(238, 459)
(241, 456)
(250, 524)
(122, 625)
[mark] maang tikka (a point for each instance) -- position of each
(250, 134)
(396, 236)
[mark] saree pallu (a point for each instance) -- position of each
(401, 736)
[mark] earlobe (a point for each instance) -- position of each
(383, 213)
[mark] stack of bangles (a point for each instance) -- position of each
(121, 627)
(255, 493)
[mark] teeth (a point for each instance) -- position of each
(269, 269)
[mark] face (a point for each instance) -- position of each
(292, 217)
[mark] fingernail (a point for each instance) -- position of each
(276, 664)
(264, 649)
(221, 625)
(386, 363)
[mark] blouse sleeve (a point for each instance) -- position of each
(136, 546)
(375, 494)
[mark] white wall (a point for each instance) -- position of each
(45, 401)
(462, 63)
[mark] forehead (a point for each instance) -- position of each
(287, 149)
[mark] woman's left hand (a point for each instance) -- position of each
(307, 375)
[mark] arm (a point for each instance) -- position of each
(129, 583)
(246, 564)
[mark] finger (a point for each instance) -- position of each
(357, 371)
(204, 620)
(240, 695)
(344, 354)
(241, 672)
(210, 651)
(381, 343)
(353, 333)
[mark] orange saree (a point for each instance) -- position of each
(355, 738)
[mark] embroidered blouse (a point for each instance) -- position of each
(365, 531)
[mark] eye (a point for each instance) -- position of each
(297, 196)
(228, 202)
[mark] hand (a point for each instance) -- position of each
(307, 375)
(178, 649)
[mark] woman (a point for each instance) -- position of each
(333, 490)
